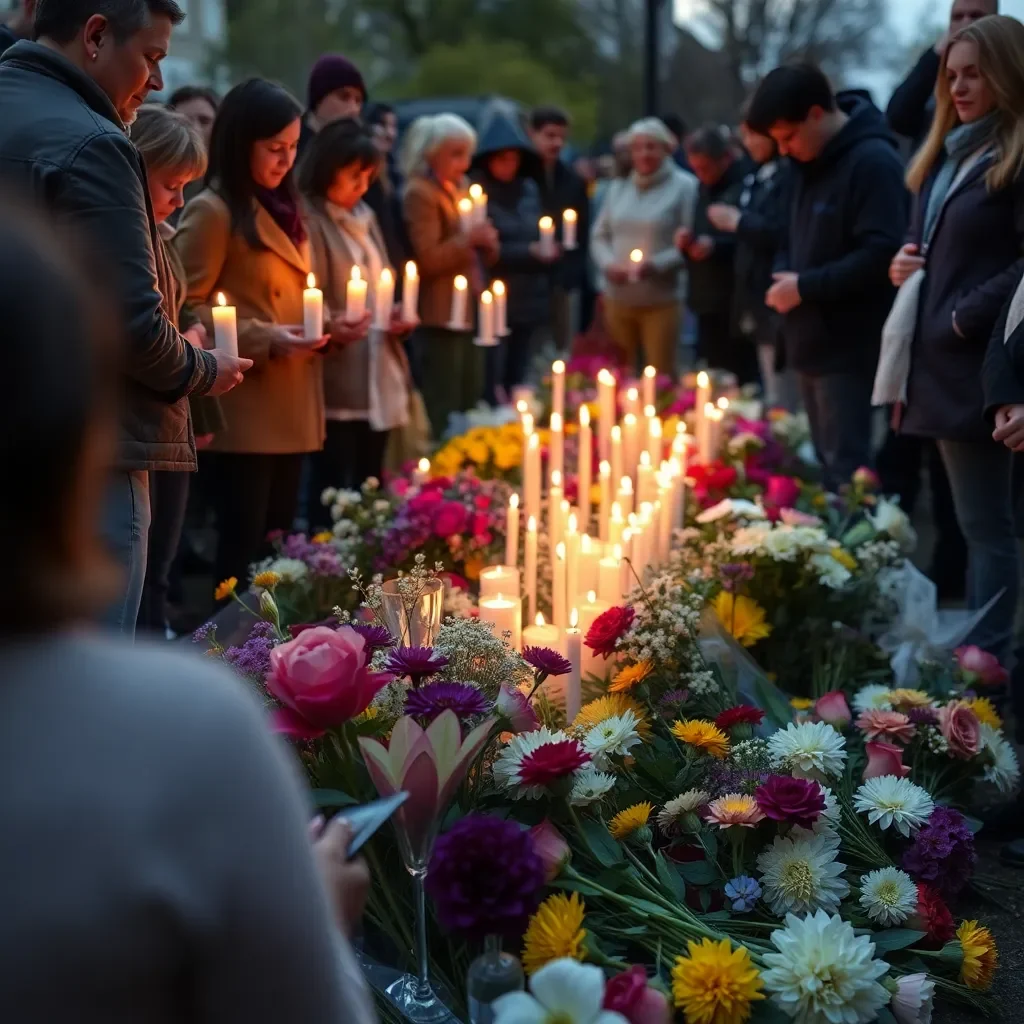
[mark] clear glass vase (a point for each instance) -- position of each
(491, 975)
(414, 619)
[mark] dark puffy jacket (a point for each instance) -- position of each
(62, 142)
(514, 208)
(912, 106)
(848, 218)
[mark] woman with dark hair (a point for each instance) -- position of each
(366, 374)
(137, 884)
(244, 237)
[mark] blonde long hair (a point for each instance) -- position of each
(428, 134)
(1000, 43)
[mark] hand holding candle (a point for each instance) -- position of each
(547, 237)
(225, 326)
(312, 310)
(636, 262)
(467, 215)
(384, 300)
(460, 304)
(479, 200)
(569, 219)
(411, 294)
(355, 297)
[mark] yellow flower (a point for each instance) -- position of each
(715, 984)
(703, 735)
(631, 675)
(980, 955)
(608, 706)
(801, 703)
(507, 456)
(267, 580)
(473, 566)
(735, 809)
(225, 589)
(631, 820)
(902, 698)
(323, 538)
(844, 558)
(743, 617)
(554, 932)
(478, 452)
(986, 712)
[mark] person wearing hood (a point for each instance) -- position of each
(847, 220)
(504, 166)
(643, 302)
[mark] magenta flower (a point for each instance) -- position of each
(799, 801)
(980, 666)
(630, 995)
(782, 491)
(429, 701)
(546, 662)
(450, 518)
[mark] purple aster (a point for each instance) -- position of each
(376, 637)
(674, 699)
(732, 574)
(427, 702)
(203, 633)
(923, 716)
(943, 852)
(415, 662)
(546, 662)
(485, 878)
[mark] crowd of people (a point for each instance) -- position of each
(811, 257)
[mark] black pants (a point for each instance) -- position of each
(168, 500)
(353, 452)
(254, 495)
(719, 346)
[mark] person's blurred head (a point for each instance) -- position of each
(677, 126)
(795, 106)
(253, 147)
(709, 154)
(549, 131)
(174, 153)
(650, 144)
(119, 44)
(65, 352)
(441, 145)
(982, 73)
(504, 164)
(762, 148)
(336, 89)
(966, 12)
(199, 104)
(24, 15)
(341, 164)
(384, 121)
(622, 154)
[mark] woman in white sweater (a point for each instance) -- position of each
(644, 297)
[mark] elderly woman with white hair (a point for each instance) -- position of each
(644, 300)
(437, 156)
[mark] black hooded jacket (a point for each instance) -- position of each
(514, 208)
(847, 220)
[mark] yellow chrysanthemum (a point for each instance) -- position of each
(554, 932)
(715, 984)
(267, 580)
(801, 703)
(703, 735)
(981, 957)
(844, 558)
(608, 706)
(225, 589)
(323, 538)
(743, 617)
(986, 712)
(507, 456)
(631, 820)
(630, 676)
(902, 699)
(478, 452)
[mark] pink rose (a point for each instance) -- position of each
(551, 847)
(791, 517)
(451, 518)
(960, 728)
(984, 667)
(884, 759)
(629, 994)
(867, 478)
(832, 708)
(425, 500)
(482, 502)
(782, 491)
(322, 679)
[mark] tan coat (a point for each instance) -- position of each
(279, 407)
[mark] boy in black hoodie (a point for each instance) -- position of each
(847, 221)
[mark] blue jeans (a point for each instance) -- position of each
(979, 476)
(839, 410)
(168, 502)
(126, 531)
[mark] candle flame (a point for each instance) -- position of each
(222, 299)
(585, 544)
(626, 485)
(461, 284)
(546, 224)
(569, 216)
(411, 271)
(605, 469)
(476, 191)
(633, 521)
(558, 367)
(556, 423)
(573, 523)
(645, 459)
(617, 551)
(311, 281)
(709, 410)
(650, 372)
(424, 465)
(654, 427)
(629, 420)
(565, 506)
(386, 276)
(723, 403)
(649, 411)
(534, 441)
(574, 619)
(556, 478)
(636, 256)
(617, 511)
(540, 619)
(703, 380)
(531, 524)
(591, 597)
(513, 502)
(522, 406)
(680, 429)
(465, 205)
(498, 287)
(616, 434)
(357, 274)
(584, 416)
(560, 550)
(632, 395)
(605, 377)
(527, 423)
(487, 299)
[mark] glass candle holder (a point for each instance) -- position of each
(413, 610)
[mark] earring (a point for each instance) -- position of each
(95, 56)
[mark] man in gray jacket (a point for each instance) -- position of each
(66, 101)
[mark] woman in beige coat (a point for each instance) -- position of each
(244, 237)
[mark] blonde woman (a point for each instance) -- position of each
(967, 236)
(437, 156)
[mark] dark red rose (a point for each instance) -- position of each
(933, 917)
(742, 714)
(608, 628)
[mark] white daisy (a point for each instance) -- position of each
(889, 800)
(749, 540)
(873, 697)
(889, 518)
(800, 874)
(1004, 770)
(830, 573)
(888, 895)
(824, 973)
(809, 750)
(614, 736)
(675, 809)
(589, 786)
(507, 768)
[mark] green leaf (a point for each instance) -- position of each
(328, 798)
(601, 844)
(699, 872)
(669, 877)
(885, 1016)
(645, 907)
(896, 938)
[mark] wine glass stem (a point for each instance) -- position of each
(423, 990)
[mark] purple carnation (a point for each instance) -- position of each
(431, 700)
(415, 662)
(376, 637)
(943, 852)
(546, 662)
(786, 799)
(485, 878)
(923, 716)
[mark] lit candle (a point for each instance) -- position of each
(705, 432)
(584, 467)
(609, 576)
(569, 219)
(500, 309)
(505, 615)
(666, 514)
(558, 387)
(574, 652)
(384, 300)
(531, 566)
(479, 198)
(590, 559)
(704, 390)
(422, 473)
(411, 294)
(485, 321)
(606, 404)
(558, 586)
(624, 498)
(650, 380)
(655, 440)
(542, 635)
(645, 431)
(647, 535)
(555, 508)
(512, 531)
(312, 310)
(532, 479)
(556, 445)
(547, 236)
(616, 457)
(467, 215)
(626, 579)
(355, 297)
(605, 509)
(572, 561)
(630, 444)
(636, 258)
(723, 404)
(632, 401)
(460, 304)
(593, 664)
(646, 486)
(564, 511)
(500, 579)
(225, 326)
(616, 525)
(704, 396)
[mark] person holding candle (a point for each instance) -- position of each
(245, 236)
(643, 302)
(367, 383)
(438, 152)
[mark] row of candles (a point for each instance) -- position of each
(473, 211)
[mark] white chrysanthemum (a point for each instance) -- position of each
(745, 439)
(614, 736)
(749, 540)
(824, 973)
(589, 786)
(830, 573)
(676, 808)
(889, 518)
(782, 544)
(508, 766)
(800, 874)
(873, 697)
(291, 570)
(809, 750)
(731, 508)
(1004, 771)
(890, 800)
(888, 895)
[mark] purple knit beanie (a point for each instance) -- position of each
(330, 73)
